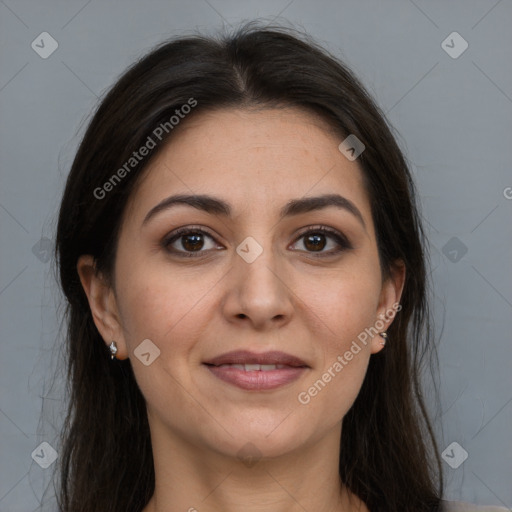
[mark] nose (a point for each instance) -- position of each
(258, 292)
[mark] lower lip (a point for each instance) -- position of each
(258, 379)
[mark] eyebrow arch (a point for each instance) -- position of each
(215, 206)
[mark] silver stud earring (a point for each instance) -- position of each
(384, 336)
(113, 349)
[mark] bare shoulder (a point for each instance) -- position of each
(460, 506)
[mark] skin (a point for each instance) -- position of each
(288, 299)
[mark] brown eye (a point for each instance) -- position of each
(315, 242)
(317, 239)
(192, 242)
(188, 242)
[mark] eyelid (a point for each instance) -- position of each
(333, 233)
(343, 242)
(180, 232)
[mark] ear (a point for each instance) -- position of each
(102, 302)
(389, 300)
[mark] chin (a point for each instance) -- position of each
(268, 439)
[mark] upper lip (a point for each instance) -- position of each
(247, 357)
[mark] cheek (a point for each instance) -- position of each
(346, 304)
(157, 302)
(170, 309)
(344, 300)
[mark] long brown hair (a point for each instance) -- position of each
(389, 456)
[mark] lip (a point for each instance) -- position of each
(291, 369)
(247, 357)
(257, 380)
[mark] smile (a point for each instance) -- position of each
(255, 367)
(256, 377)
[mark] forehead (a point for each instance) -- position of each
(252, 158)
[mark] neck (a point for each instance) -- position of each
(196, 479)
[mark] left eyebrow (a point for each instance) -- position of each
(217, 206)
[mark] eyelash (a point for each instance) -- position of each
(341, 240)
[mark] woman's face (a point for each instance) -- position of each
(250, 279)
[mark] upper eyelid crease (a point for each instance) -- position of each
(215, 206)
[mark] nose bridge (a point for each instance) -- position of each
(259, 279)
(256, 258)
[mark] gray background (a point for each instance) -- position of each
(454, 120)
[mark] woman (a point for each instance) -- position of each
(240, 248)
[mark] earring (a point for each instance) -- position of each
(113, 349)
(384, 336)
